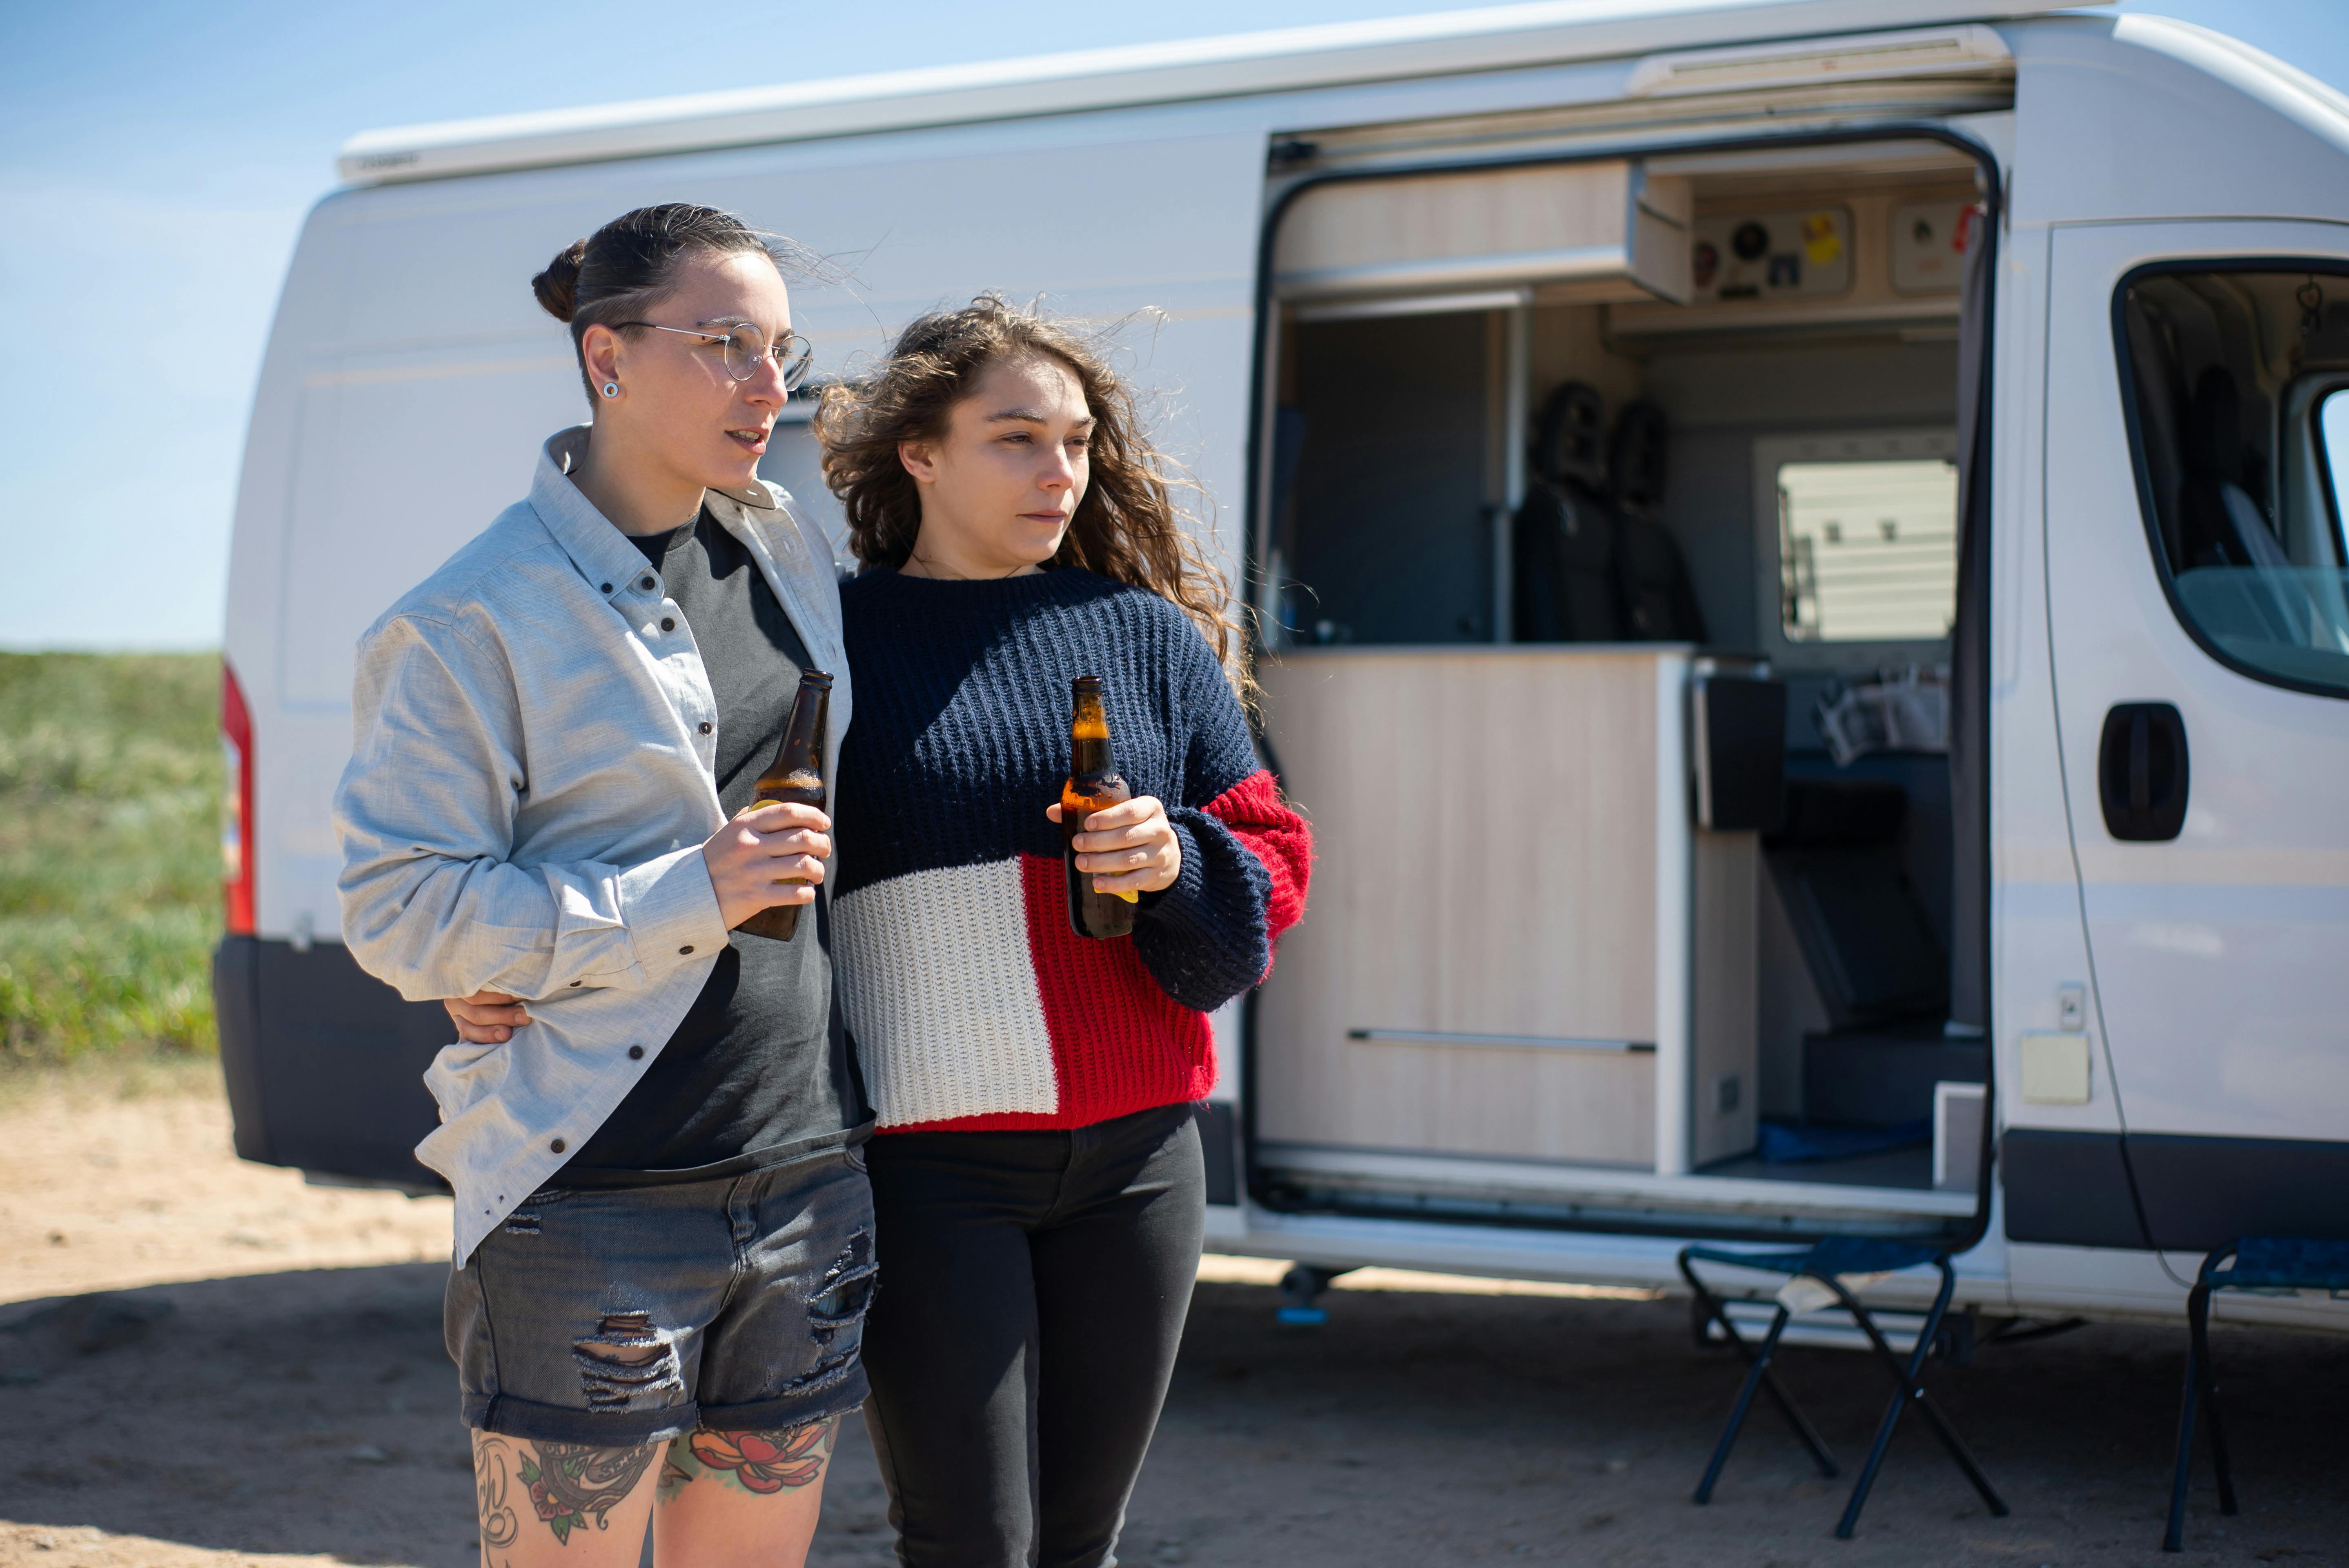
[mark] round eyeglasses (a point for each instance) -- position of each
(746, 345)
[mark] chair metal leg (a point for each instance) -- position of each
(1801, 1423)
(1754, 1379)
(1711, 1308)
(2173, 1538)
(1911, 1392)
(1860, 1488)
(2197, 1318)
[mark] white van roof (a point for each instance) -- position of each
(1496, 38)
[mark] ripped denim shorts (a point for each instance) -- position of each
(618, 1316)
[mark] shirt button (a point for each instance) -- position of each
(558, 1146)
(646, 584)
(705, 726)
(669, 623)
(686, 948)
(635, 1053)
(607, 588)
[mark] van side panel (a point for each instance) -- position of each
(411, 377)
(305, 311)
(2141, 116)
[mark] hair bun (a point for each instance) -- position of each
(557, 287)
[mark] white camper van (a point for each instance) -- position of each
(1831, 513)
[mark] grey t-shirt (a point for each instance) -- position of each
(760, 1071)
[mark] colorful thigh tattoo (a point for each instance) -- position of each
(761, 1462)
(567, 1484)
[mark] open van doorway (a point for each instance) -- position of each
(1608, 545)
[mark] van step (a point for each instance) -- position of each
(1556, 1193)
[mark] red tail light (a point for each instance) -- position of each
(237, 820)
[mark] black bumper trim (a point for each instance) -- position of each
(2074, 1189)
(324, 1063)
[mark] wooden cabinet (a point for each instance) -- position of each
(1517, 946)
(1587, 231)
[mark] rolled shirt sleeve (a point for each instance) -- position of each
(433, 902)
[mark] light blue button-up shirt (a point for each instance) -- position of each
(531, 778)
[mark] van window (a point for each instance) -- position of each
(1867, 552)
(2332, 445)
(1856, 547)
(2235, 379)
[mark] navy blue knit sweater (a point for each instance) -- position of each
(972, 1003)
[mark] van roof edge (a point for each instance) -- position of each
(1549, 32)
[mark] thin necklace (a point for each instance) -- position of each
(917, 558)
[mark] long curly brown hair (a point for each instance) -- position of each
(1126, 528)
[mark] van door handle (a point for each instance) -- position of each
(2141, 772)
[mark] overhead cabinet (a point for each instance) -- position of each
(1588, 232)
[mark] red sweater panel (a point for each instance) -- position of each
(1120, 1044)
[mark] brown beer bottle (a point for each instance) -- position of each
(795, 778)
(1094, 786)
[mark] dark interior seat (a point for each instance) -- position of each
(2224, 526)
(1862, 928)
(1865, 936)
(1591, 564)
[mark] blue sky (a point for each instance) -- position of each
(158, 158)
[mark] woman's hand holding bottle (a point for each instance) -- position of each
(769, 857)
(1128, 848)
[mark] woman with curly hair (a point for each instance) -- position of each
(1037, 1181)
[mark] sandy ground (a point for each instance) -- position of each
(99, 1192)
(264, 1384)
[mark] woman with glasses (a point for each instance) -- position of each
(664, 1235)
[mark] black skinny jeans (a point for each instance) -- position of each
(1033, 1288)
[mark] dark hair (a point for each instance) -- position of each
(626, 268)
(1126, 528)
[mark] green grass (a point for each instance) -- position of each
(109, 855)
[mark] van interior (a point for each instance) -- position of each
(1548, 448)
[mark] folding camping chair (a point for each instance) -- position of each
(1824, 1262)
(2262, 1263)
